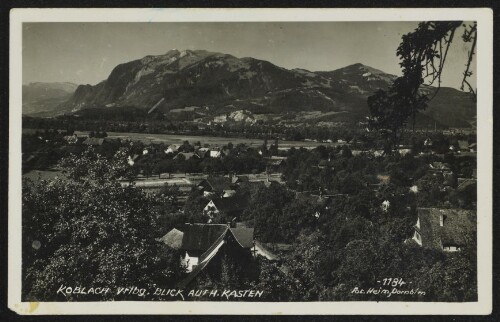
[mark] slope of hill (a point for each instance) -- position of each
(45, 98)
(223, 84)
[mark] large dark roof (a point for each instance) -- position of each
(457, 224)
(199, 237)
(203, 261)
(244, 236)
(238, 179)
(230, 205)
(216, 183)
(187, 155)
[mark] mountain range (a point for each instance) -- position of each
(220, 84)
(45, 99)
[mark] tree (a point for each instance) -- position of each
(91, 231)
(422, 55)
(304, 266)
(92, 166)
(267, 211)
(278, 286)
(350, 270)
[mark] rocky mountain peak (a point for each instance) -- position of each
(225, 84)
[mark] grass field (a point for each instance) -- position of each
(213, 141)
(179, 139)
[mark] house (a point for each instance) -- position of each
(228, 193)
(404, 152)
(132, 159)
(93, 141)
(202, 152)
(439, 166)
(239, 179)
(71, 139)
(172, 148)
(186, 155)
(448, 230)
(220, 119)
(428, 142)
(386, 204)
(473, 147)
(213, 185)
(205, 247)
(463, 145)
(225, 208)
(215, 153)
(275, 163)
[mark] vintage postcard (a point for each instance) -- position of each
(250, 161)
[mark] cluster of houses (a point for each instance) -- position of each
(447, 229)
(458, 146)
(204, 245)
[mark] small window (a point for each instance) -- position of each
(442, 219)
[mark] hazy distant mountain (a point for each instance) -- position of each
(224, 84)
(45, 98)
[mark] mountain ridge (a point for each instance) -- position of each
(44, 98)
(224, 83)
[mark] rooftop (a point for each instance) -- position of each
(457, 224)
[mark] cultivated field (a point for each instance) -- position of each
(213, 141)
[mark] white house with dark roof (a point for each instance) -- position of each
(203, 245)
(215, 153)
(173, 148)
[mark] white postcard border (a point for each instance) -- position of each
(484, 16)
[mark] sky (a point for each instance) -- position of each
(86, 53)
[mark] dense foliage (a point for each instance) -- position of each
(87, 230)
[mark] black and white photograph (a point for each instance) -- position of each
(251, 161)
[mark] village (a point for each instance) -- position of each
(251, 203)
